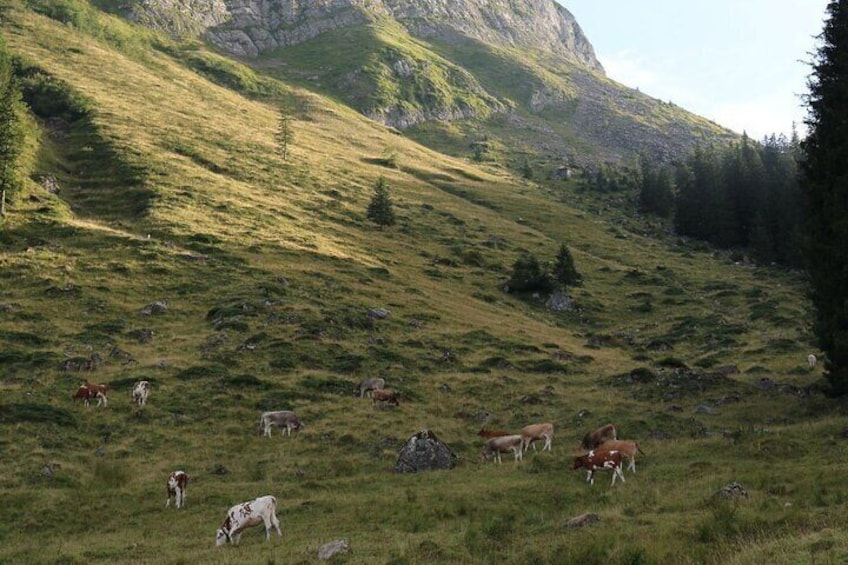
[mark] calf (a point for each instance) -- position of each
(140, 391)
(88, 391)
(503, 444)
(281, 419)
(535, 432)
(175, 486)
(627, 449)
(386, 395)
(369, 385)
(245, 515)
(596, 437)
(595, 460)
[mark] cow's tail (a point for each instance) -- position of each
(639, 449)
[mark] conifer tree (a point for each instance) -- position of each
(285, 133)
(380, 208)
(825, 185)
(528, 275)
(565, 273)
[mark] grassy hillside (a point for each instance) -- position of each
(180, 248)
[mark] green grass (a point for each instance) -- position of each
(267, 271)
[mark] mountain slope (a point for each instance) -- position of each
(238, 282)
(519, 74)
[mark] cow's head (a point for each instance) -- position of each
(221, 537)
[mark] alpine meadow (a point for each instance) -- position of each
(262, 231)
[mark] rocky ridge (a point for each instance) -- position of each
(249, 28)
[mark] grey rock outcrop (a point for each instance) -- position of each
(424, 452)
(248, 28)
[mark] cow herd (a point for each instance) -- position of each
(604, 452)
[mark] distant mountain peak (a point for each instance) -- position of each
(248, 28)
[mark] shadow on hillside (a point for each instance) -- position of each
(94, 179)
(86, 168)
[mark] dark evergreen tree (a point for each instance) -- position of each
(528, 275)
(565, 273)
(825, 187)
(656, 192)
(380, 209)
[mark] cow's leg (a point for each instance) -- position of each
(276, 523)
(548, 440)
(633, 464)
(498, 454)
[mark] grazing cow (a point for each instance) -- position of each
(811, 361)
(386, 395)
(535, 432)
(369, 385)
(176, 488)
(88, 391)
(600, 460)
(489, 434)
(140, 391)
(247, 514)
(596, 437)
(281, 419)
(627, 449)
(503, 444)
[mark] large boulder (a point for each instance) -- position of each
(424, 452)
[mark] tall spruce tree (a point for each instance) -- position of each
(380, 208)
(565, 273)
(824, 171)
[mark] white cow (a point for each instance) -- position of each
(281, 419)
(140, 391)
(811, 361)
(176, 488)
(503, 444)
(247, 514)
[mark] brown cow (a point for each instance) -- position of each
(88, 391)
(627, 448)
(595, 460)
(535, 432)
(596, 437)
(386, 395)
(489, 434)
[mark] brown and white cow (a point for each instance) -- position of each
(175, 486)
(600, 460)
(596, 437)
(247, 514)
(627, 448)
(386, 395)
(372, 384)
(502, 444)
(283, 419)
(140, 392)
(87, 391)
(535, 432)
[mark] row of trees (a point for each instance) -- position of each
(743, 196)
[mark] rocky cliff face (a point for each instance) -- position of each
(247, 28)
